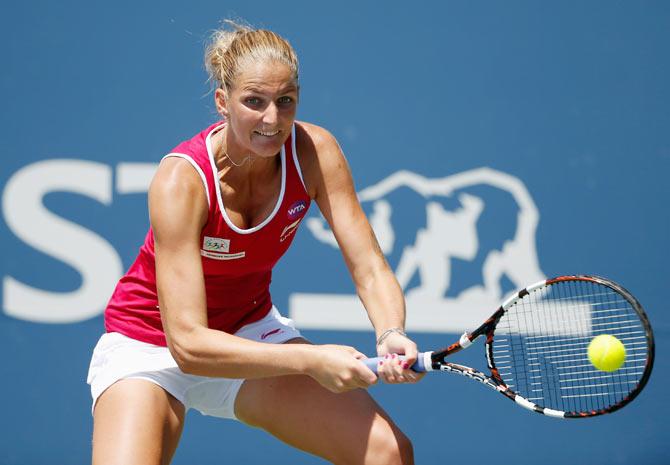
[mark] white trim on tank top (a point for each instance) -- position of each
(195, 165)
(217, 186)
(295, 159)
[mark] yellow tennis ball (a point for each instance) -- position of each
(606, 352)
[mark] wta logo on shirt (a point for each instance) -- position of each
(295, 213)
(296, 209)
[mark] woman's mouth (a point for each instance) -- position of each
(267, 133)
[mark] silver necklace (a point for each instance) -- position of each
(225, 154)
(248, 158)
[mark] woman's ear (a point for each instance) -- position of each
(221, 102)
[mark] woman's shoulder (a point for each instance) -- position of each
(319, 155)
(176, 196)
(316, 143)
(312, 139)
(175, 177)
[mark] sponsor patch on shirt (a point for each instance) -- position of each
(218, 248)
(216, 244)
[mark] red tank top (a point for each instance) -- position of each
(237, 263)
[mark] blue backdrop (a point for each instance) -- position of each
(563, 104)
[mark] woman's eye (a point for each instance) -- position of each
(285, 100)
(253, 100)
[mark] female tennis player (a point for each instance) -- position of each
(192, 324)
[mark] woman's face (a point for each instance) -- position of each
(260, 109)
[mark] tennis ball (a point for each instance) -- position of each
(606, 352)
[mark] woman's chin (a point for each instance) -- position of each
(267, 148)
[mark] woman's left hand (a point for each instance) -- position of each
(392, 369)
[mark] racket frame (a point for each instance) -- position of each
(495, 381)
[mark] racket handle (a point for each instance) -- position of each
(423, 362)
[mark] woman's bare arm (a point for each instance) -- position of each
(178, 211)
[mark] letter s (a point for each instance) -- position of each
(92, 256)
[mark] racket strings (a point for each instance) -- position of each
(540, 346)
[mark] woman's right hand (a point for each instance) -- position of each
(339, 368)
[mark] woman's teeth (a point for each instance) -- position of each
(267, 134)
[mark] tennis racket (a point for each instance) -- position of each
(536, 348)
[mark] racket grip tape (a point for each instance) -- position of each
(423, 362)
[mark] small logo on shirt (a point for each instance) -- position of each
(218, 248)
(295, 209)
(289, 230)
(216, 244)
(270, 333)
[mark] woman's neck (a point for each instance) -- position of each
(234, 169)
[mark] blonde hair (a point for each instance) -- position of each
(234, 45)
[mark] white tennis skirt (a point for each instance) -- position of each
(118, 357)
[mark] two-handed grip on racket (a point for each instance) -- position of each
(423, 362)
